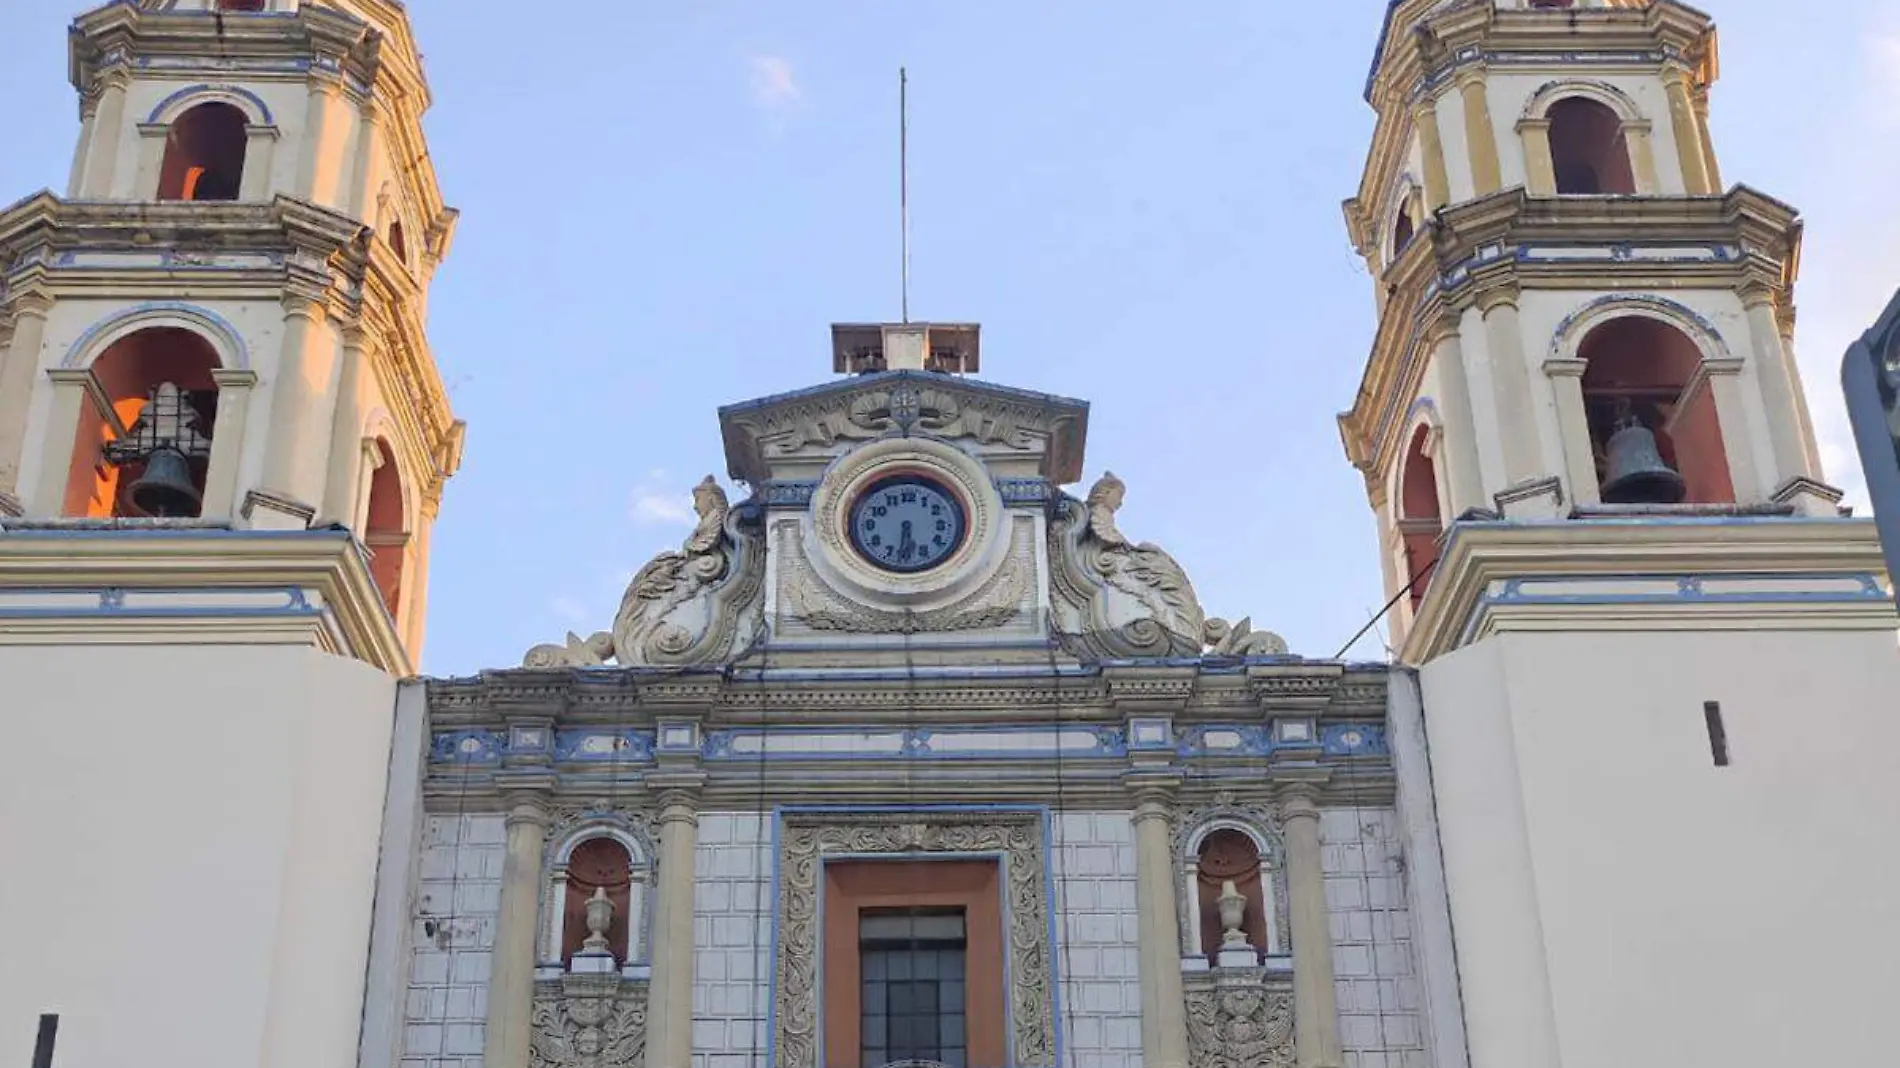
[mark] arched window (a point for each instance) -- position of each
(160, 392)
(396, 243)
(385, 527)
(598, 864)
(1228, 856)
(1638, 373)
(1588, 151)
(204, 154)
(1420, 521)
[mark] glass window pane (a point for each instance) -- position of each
(951, 997)
(950, 1031)
(874, 999)
(898, 966)
(874, 1033)
(952, 964)
(874, 964)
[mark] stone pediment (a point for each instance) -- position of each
(795, 435)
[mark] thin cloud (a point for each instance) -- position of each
(775, 86)
(658, 501)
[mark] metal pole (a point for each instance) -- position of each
(1871, 384)
(903, 177)
(43, 1046)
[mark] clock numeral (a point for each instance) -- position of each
(943, 524)
(938, 539)
(876, 541)
(890, 499)
(936, 509)
(870, 524)
(909, 497)
(879, 510)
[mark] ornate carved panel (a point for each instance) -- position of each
(588, 1021)
(807, 839)
(1258, 821)
(1239, 1019)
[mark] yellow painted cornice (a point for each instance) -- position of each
(1476, 556)
(156, 559)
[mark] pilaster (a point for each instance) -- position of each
(1682, 123)
(1566, 387)
(1431, 148)
(1464, 482)
(343, 485)
(1642, 157)
(18, 362)
(670, 997)
(505, 1043)
(1480, 138)
(1504, 343)
(1164, 1034)
(102, 140)
(1315, 1001)
(1540, 176)
(296, 393)
(227, 441)
(73, 389)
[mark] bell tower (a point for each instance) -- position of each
(1642, 622)
(219, 326)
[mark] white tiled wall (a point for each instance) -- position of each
(1098, 953)
(1379, 1024)
(732, 940)
(457, 897)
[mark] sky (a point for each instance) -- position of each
(665, 205)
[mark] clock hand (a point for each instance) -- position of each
(905, 545)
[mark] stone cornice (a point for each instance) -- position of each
(160, 582)
(1650, 572)
(1511, 241)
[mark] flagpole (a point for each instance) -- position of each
(903, 177)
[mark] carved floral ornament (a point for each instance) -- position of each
(1239, 1020)
(807, 839)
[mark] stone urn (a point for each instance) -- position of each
(1233, 912)
(600, 916)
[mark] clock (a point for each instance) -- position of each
(907, 523)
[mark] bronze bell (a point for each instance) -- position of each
(165, 489)
(1636, 471)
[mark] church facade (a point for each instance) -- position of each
(909, 754)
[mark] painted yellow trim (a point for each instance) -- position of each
(1480, 139)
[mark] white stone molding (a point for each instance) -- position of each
(827, 535)
(1017, 839)
(1239, 1018)
(1256, 820)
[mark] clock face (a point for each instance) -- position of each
(907, 523)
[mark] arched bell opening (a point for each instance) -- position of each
(1420, 521)
(1589, 152)
(204, 154)
(1228, 867)
(145, 452)
(385, 527)
(1654, 430)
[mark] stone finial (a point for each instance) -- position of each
(600, 916)
(1233, 911)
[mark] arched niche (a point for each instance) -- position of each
(582, 860)
(1214, 837)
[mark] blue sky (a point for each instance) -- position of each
(665, 205)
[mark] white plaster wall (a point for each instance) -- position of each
(732, 939)
(190, 837)
(1098, 950)
(458, 892)
(1593, 851)
(1371, 924)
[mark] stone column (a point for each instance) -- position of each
(1573, 425)
(1700, 99)
(1504, 342)
(1463, 483)
(342, 483)
(1779, 387)
(227, 441)
(1784, 319)
(294, 399)
(1315, 1005)
(511, 971)
(1432, 149)
(73, 389)
(1682, 122)
(1163, 1001)
(1642, 157)
(670, 992)
(102, 146)
(19, 364)
(1481, 141)
(1540, 174)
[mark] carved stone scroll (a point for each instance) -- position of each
(588, 1021)
(1117, 598)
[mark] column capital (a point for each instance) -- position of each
(1756, 293)
(528, 810)
(34, 301)
(1565, 368)
(301, 304)
(1153, 793)
(1468, 78)
(1299, 798)
(1495, 297)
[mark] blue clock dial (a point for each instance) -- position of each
(907, 523)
